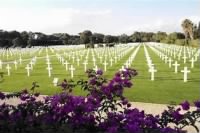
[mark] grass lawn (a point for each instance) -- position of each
(168, 87)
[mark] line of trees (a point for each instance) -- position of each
(28, 39)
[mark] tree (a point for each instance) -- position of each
(97, 38)
(85, 36)
(160, 36)
(30, 39)
(17, 42)
(195, 31)
(136, 37)
(65, 38)
(108, 39)
(24, 36)
(172, 37)
(123, 38)
(187, 26)
(198, 31)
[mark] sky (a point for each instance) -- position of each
(113, 17)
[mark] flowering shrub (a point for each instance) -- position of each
(103, 110)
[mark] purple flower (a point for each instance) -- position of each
(133, 127)
(197, 103)
(93, 81)
(125, 101)
(185, 105)
(106, 90)
(117, 79)
(112, 129)
(176, 115)
(168, 130)
(99, 72)
(24, 97)
(127, 83)
(32, 99)
(2, 96)
(117, 74)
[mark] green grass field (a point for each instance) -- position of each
(168, 87)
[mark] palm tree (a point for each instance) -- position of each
(187, 26)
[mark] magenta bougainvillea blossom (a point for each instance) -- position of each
(103, 110)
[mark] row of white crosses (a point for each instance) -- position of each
(105, 63)
(15, 52)
(132, 56)
(151, 66)
(187, 53)
(162, 56)
(49, 68)
(29, 66)
(94, 53)
(192, 53)
(14, 62)
(185, 71)
(66, 63)
(32, 62)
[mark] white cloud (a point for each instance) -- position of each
(165, 24)
(73, 21)
(36, 20)
(154, 26)
(49, 20)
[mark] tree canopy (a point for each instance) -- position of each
(28, 39)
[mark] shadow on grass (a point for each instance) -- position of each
(194, 80)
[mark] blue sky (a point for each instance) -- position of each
(104, 16)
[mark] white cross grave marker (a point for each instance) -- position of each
(66, 65)
(185, 71)
(184, 59)
(85, 65)
(28, 68)
(105, 64)
(55, 81)
(1, 64)
(192, 62)
(170, 62)
(15, 63)
(78, 60)
(152, 71)
(20, 60)
(96, 68)
(176, 66)
(122, 69)
(8, 69)
(31, 63)
(48, 63)
(72, 71)
(49, 68)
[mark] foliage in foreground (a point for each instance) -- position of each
(104, 109)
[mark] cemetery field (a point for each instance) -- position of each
(166, 87)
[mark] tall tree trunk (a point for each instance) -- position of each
(191, 35)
